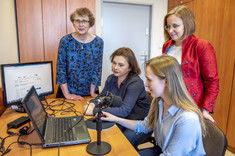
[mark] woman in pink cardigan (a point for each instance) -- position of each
(196, 56)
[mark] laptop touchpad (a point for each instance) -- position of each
(79, 129)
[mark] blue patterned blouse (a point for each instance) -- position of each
(79, 64)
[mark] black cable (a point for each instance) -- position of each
(63, 107)
(26, 143)
(66, 107)
(74, 124)
(79, 120)
(10, 132)
(8, 149)
(2, 148)
(59, 150)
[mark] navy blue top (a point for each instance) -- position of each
(134, 100)
(79, 64)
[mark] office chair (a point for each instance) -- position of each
(215, 142)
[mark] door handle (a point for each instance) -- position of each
(145, 56)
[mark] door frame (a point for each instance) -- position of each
(159, 10)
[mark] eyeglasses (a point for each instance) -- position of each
(77, 21)
(174, 26)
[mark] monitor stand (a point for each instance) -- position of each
(42, 98)
(18, 108)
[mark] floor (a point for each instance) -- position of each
(146, 145)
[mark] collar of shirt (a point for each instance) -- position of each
(172, 110)
(115, 82)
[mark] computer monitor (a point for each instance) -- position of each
(17, 79)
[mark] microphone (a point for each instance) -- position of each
(109, 100)
(103, 100)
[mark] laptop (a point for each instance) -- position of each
(57, 131)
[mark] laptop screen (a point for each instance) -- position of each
(35, 108)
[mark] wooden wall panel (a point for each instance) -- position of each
(213, 24)
(173, 3)
(54, 28)
(2, 107)
(231, 119)
(191, 4)
(29, 24)
(228, 55)
(72, 5)
(41, 25)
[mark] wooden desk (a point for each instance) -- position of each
(119, 144)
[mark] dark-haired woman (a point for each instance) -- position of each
(126, 83)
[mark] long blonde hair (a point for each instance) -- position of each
(166, 66)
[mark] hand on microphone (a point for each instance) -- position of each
(88, 109)
(109, 117)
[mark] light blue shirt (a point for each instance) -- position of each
(178, 133)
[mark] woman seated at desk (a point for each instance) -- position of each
(174, 117)
(126, 83)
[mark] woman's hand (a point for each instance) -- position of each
(208, 116)
(109, 117)
(74, 97)
(92, 91)
(69, 96)
(88, 109)
(94, 95)
(130, 124)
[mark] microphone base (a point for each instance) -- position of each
(95, 149)
(91, 124)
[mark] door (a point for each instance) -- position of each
(125, 25)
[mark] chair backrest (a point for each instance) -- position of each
(215, 142)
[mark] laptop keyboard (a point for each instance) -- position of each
(60, 127)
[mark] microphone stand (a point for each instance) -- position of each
(99, 147)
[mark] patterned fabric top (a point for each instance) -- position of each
(79, 64)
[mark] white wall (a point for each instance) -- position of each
(8, 39)
(159, 10)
